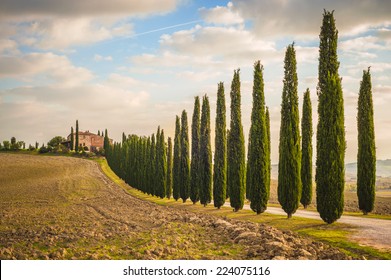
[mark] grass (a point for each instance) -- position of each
(337, 234)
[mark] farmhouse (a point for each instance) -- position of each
(92, 141)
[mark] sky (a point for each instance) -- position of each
(130, 66)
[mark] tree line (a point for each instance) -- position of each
(167, 169)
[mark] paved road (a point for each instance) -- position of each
(372, 232)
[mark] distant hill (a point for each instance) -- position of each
(383, 169)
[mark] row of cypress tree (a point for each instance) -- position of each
(143, 162)
(149, 164)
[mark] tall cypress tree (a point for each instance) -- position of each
(106, 143)
(185, 164)
(205, 155)
(72, 139)
(176, 170)
(366, 157)
(77, 137)
(220, 157)
(236, 152)
(268, 146)
(330, 136)
(149, 166)
(289, 180)
(161, 166)
(257, 164)
(306, 150)
(195, 153)
(152, 187)
(169, 169)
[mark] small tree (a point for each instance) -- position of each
(366, 157)
(77, 137)
(72, 139)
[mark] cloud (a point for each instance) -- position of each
(303, 18)
(221, 15)
(8, 47)
(62, 33)
(43, 67)
(98, 58)
(77, 8)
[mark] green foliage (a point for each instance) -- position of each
(257, 159)
(161, 165)
(56, 141)
(330, 136)
(77, 137)
(72, 144)
(185, 161)
(289, 165)
(366, 157)
(176, 172)
(169, 169)
(306, 150)
(6, 145)
(195, 168)
(205, 155)
(268, 147)
(236, 151)
(220, 156)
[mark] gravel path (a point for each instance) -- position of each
(372, 232)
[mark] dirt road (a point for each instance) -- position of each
(65, 208)
(372, 232)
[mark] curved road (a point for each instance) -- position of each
(370, 231)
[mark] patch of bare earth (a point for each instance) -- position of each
(65, 208)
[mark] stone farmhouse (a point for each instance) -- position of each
(92, 141)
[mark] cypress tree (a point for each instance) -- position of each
(289, 180)
(330, 136)
(195, 153)
(77, 137)
(268, 146)
(149, 166)
(236, 151)
(106, 143)
(205, 155)
(366, 157)
(72, 139)
(176, 171)
(161, 166)
(169, 169)
(257, 164)
(220, 157)
(306, 150)
(184, 163)
(152, 163)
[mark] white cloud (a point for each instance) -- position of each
(61, 33)
(76, 8)
(8, 47)
(221, 15)
(303, 18)
(47, 66)
(98, 58)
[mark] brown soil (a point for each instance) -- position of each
(65, 208)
